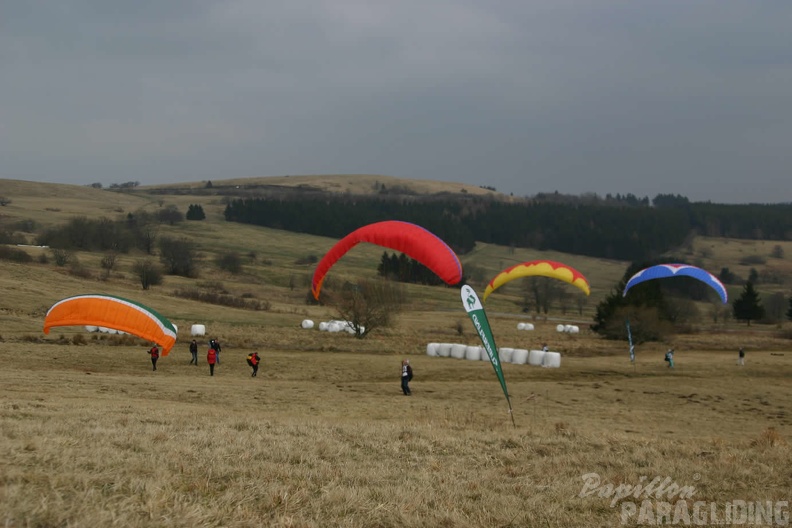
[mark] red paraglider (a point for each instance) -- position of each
(410, 239)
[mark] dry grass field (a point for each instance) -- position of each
(323, 437)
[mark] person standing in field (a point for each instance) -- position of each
(211, 358)
(215, 344)
(669, 357)
(194, 353)
(154, 353)
(253, 360)
(406, 377)
(741, 357)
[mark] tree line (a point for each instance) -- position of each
(622, 227)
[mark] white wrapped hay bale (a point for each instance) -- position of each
(528, 326)
(458, 351)
(574, 329)
(323, 326)
(505, 354)
(520, 326)
(431, 349)
(535, 357)
(102, 329)
(484, 355)
(561, 328)
(444, 349)
(551, 360)
(307, 324)
(90, 328)
(198, 330)
(473, 353)
(520, 356)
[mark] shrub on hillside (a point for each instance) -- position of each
(148, 273)
(307, 259)
(10, 237)
(230, 262)
(14, 255)
(223, 299)
(751, 260)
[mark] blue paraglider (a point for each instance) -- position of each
(662, 271)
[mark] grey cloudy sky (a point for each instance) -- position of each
(644, 97)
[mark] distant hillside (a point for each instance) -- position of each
(277, 263)
(348, 184)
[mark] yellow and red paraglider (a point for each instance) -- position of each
(112, 312)
(541, 268)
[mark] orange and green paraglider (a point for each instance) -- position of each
(540, 268)
(112, 312)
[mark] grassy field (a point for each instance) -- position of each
(324, 437)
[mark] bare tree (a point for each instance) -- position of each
(368, 305)
(148, 273)
(62, 257)
(580, 303)
(108, 263)
(178, 256)
(775, 304)
(539, 293)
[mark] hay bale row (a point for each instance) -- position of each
(568, 329)
(333, 326)
(517, 356)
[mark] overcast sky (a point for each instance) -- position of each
(643, 97)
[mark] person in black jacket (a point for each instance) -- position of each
(406, 377)
(194, 353)
(215, 344)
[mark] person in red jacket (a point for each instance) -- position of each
(211, 358)
(154, 353)
(254, 360)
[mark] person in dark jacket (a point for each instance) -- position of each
(194, 353)
(154, 353)
(741, 357)
(211, 358)
(406, 377)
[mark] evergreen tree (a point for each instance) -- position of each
(748, 307)
(195, 212)
(646, 298)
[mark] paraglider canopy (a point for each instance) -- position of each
(412, 240)
(541, 268)
(112, 312)
(662, 271)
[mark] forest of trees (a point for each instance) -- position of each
(621, 227)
